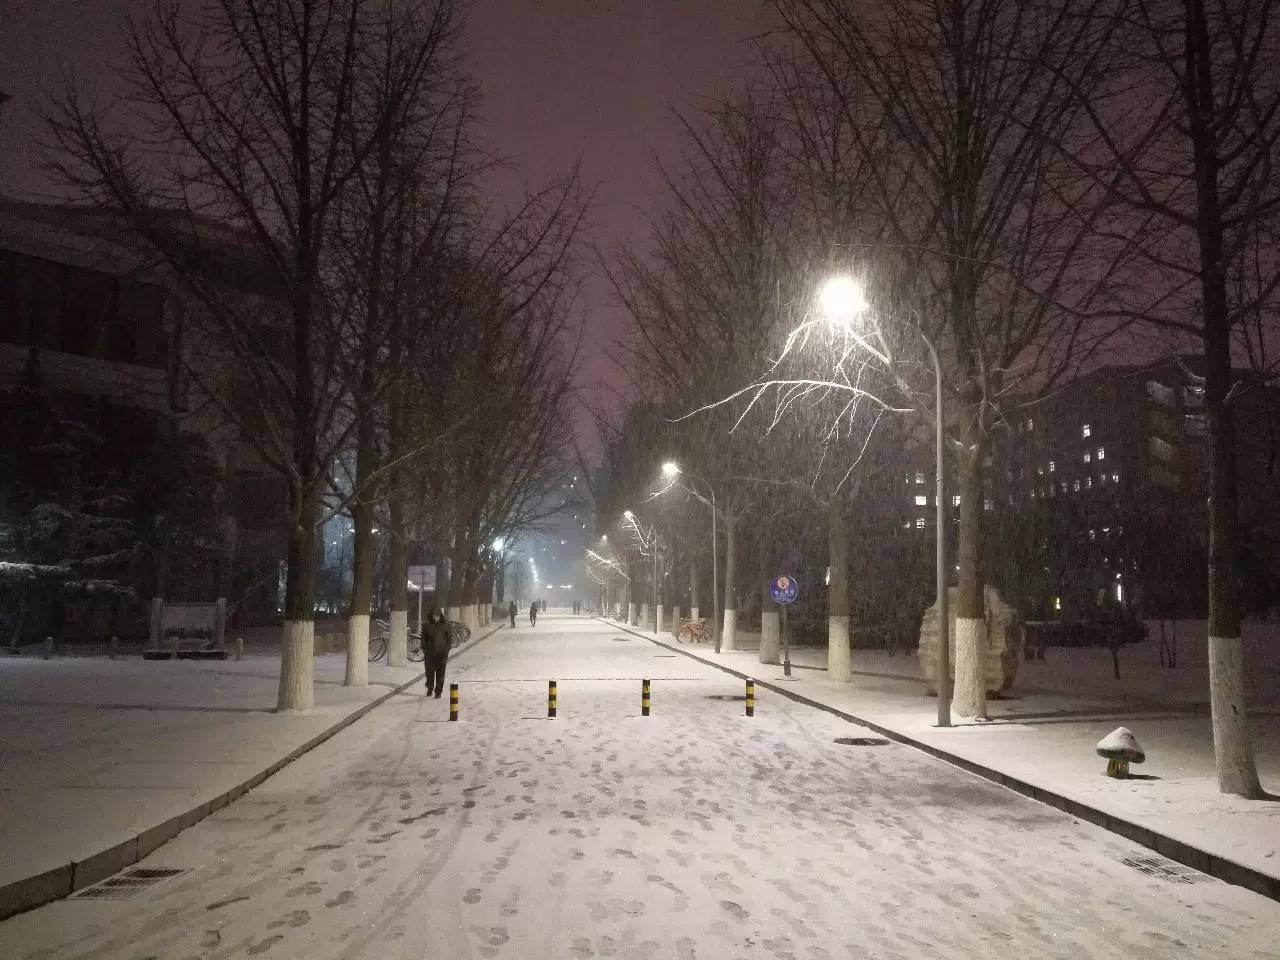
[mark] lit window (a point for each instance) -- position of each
(921, 500)
(1115, 478)
(1102, 453)
(1039, 471)
(1057, 604)
(1031, 424)
(919, 523)
(1088, 457)
(1085, 431)
(1052, 466)
(1075, 486)
(919, 478)
(1088, 482)
(1093, 534)
(955, 500)
(988, 504)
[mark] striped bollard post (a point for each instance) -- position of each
(751, 698)
(453, 701)
(551, 699)
(644, 698)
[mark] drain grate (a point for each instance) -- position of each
(726, 697)
(621, 639)
(1165, 869)
(665, 656)
(128, 884)
(861, 741)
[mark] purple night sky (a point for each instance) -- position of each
(564, 80)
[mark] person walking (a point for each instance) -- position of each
(511, 611)
(533, 614)
(435, 650)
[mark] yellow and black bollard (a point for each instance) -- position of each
(751, 698)
(453, 701)
(551, 699)
(644, 698)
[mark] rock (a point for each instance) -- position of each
(1004, 642)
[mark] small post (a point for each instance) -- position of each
(113, 647)
(48, 647)
(239, 648)
(644, 698)
(751, 698)
(786, 643)
(551, 699)
(453, 701)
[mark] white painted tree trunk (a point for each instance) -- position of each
(675, 620)
(644, 616)
(657, 621)
(297, 666)
(398, 639)
(695, 613)
(452, 613)
(631, 614)
(969, 696)
(1232, 748)
(729, 639)
(770, 636)
(839, 664)
(357, 674)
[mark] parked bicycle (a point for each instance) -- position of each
(692, 631)
(459, 633)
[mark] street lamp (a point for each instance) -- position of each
(672, 470)
(841, 300)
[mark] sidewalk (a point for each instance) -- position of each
(105, 760)
(1040, 741)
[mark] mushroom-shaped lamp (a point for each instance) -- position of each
(1120, 747)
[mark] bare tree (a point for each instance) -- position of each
(261, 114)
(1185, 128)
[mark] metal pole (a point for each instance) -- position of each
(944, 615)
(657, 627)
(786, 642)
(420, 586)
(715, 573)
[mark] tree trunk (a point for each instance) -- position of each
(1232, 746)
(398, 572)
(969, 696)
(729, 636)
(770, 635)
(695, 604)
(839, 666)
(297, 660)
(357, 672)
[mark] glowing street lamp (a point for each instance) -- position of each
(841, 299)
(671, 469)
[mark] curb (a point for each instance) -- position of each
(1225, 870)
(35, 891)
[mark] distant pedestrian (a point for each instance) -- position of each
(435, 651)
(511, 611)
(533, 614)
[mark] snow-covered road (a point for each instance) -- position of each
(693, 833)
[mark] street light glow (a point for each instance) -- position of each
(841, 299)
(498, 545)
(628, 514)
(670, 469)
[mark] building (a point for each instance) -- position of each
(97, 339)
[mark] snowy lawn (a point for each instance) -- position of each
(694, 833)
(1044, 731)
(97, 751)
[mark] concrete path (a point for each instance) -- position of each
(104, 760)
(1041, 737)
(693, 833)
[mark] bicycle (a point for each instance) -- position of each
(378, 644)
(691, 631)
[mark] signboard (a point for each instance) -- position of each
(784, 589)
(422, 577)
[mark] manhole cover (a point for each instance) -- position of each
(727, 697)
(861, 741)
(1165, 869)
(127, 884)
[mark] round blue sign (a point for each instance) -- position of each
(784, 589)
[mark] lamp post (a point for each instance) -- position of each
(671, 470)
(841, 300)
(652, 542)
